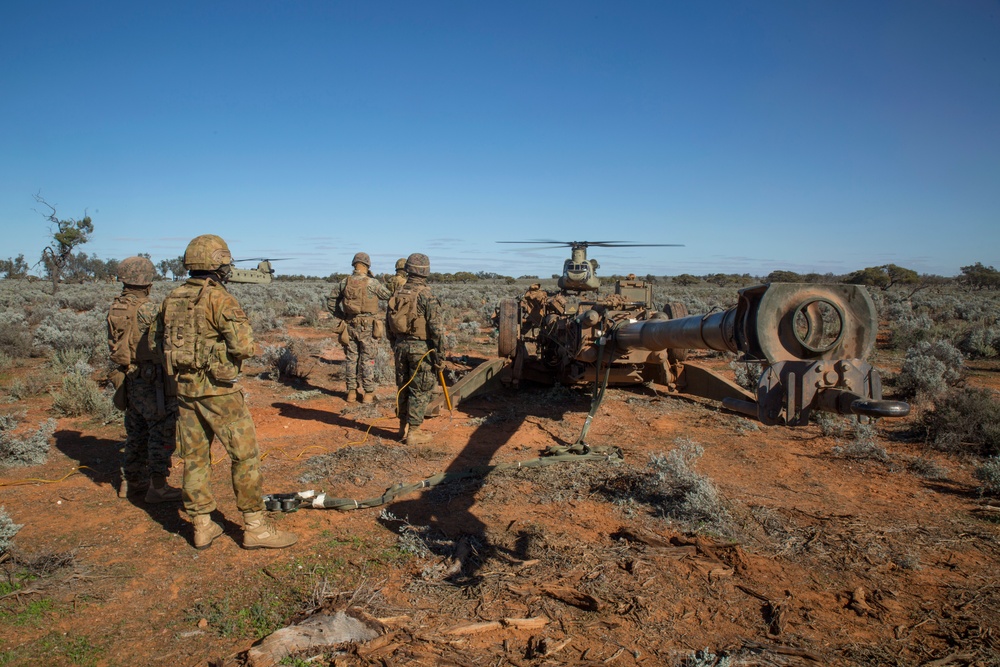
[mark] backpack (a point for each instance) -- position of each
(184, 349)
(355, 299)
(403, 318)
(123, 330)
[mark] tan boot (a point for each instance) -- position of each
(261, 533)
(160, 492)
(418, 436)
(205, 530)
(404, 429)
(352, 395)
(368, 397)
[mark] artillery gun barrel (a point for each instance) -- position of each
(697, 332)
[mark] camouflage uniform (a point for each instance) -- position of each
(151, 405)
(409, 349)
(210, 402)
(396, 281)
(363, 332)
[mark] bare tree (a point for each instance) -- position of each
(66, 236)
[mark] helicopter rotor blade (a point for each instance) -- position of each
(262, 259)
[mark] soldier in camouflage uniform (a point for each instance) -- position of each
(203, 337)
(149, 404)
(417, 335)
(355, 300)
(396, 281)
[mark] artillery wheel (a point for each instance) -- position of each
(507, 322)
(676, 310)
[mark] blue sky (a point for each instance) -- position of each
(808, 136)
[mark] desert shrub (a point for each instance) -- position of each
(980, 342)
(66, 361)
(674, 490)
(747, 373)
(88, 296)
(466, 332)
(6, 361)
(910, 330)
(8, 529)
(930, 368)
(989, 474)
(926, 468)
(15, 336)
(282, 360)
(65, 330)
(864, 446)
(33, 384)
(81, 396)
(31, 449)
(831, 424)
(965, 420)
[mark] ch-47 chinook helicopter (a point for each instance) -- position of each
(579, 274)
(262, 275)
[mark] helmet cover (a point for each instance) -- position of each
(418, 264)
(207, 253)
(136, 271)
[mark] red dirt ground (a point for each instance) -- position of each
(829, 560)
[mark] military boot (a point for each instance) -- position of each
(404, 429)
(352, 395)
(418, 436)
(368, 397)
(160, 492)
(133, 489)
(205, 530)
(261, 533)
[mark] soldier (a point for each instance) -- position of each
(399, 279)
(355, 300)
(203, 336)
(150, 406)
(414, 329)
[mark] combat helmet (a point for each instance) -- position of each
(207, 253)
(136, 271)
(418, 264)
(400, 263)
(362, 258)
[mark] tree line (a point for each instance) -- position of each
(63, 262)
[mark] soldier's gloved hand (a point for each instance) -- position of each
(437, 361)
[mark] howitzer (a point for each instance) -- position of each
(811, 341)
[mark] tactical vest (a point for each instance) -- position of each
(123, 330)
(403, 317)
(190, 343)
(357, 299)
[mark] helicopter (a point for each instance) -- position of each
(579, 274)
(262, 275)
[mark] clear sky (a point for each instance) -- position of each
(807, 136)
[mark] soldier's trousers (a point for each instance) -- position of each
(419, 390)
(359, 354)
(149, 433)
(227, 418)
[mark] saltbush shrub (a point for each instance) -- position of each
(8, 529)
(28, 450)
(980, 342)
(930, 368)
(989, 474)
(674, 490)
(965, 420)
(81, 396)
(65, 330)
(15, 335)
